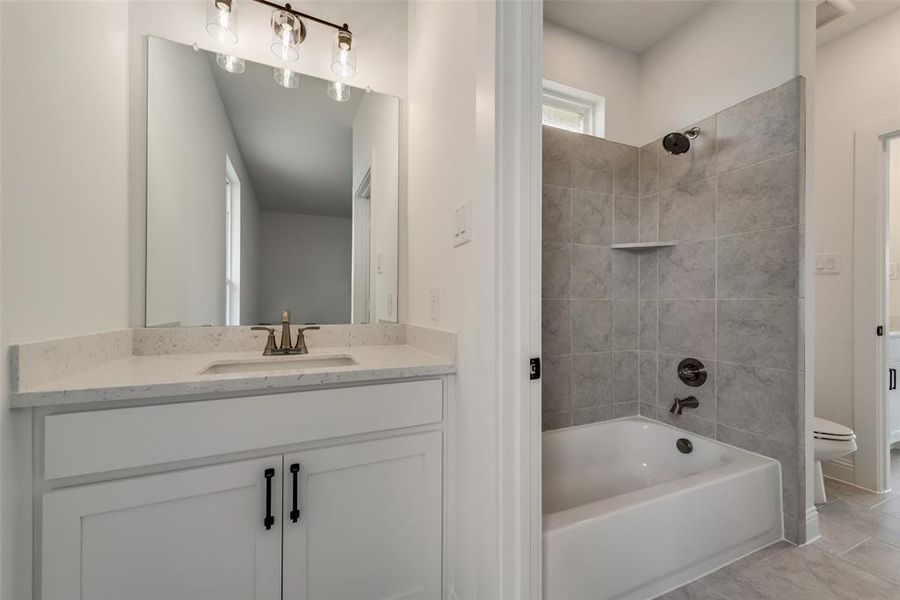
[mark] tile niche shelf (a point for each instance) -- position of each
(643, 245)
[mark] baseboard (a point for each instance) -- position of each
(811, 525)
(841, 469)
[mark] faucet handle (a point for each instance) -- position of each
(301, 339)
(270, 341)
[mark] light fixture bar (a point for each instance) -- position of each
(303, 15)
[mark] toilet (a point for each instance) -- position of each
(830, 440)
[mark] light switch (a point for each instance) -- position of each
(462, 224)
(828, 264)
(435, 303)
(894, 271)
(390, 304)
(379, 264)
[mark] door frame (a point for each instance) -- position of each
(518, 81)
(871, 231)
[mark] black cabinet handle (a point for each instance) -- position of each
(892, 379)
(270, 518)
(295, 511)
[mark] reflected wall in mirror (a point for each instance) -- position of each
(263, 198)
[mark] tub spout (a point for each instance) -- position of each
(681, 403)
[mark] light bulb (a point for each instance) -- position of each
(288, 32)
(221, 21)
(231, 63)
(287, 78)
(343, 57)
(338, 91)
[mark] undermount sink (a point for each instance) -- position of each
(277, 363)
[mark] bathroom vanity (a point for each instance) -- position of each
(158, 477)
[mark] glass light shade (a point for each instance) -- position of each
(338, 91)
(221, 21)
(287, 78)
(287, 33)
(231, 63)
(343, 56)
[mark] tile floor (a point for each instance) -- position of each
(857, 556)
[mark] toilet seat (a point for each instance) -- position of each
(831, 440)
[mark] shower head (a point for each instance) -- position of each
(679, 143)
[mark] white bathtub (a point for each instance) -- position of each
(626, 515)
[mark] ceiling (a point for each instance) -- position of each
(866, 12)
(632, 25)
(297, 145)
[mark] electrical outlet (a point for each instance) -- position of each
(894, 272)
(828, 264)
(462, 224)
(435, 303)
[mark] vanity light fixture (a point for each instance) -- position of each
(230, 62)
(287, 78)
(338, 91)
(288, 32)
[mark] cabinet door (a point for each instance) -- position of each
(195, 534)
(369, 522)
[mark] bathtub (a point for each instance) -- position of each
(627, 515)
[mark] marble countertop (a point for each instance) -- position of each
(178, 376)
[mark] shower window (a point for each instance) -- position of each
(572, 109)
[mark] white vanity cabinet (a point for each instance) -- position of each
(347, 518)
(195, 534)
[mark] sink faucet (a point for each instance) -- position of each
(286, 347)
(682, 403)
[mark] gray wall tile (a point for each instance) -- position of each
(592, 325)
(556, 270)
(688, 270)
(625, 170)
(625, 324)
(592, 381)
(555, 162)
(556, 384)
(761, 333)
(761, 127)
(648, 410)
(687, 327)
(697, 163)
(647, 378)
(556, 214)
(591, 164)
(592, 218)
(591, 271)
(626, 220)
(556, 327)
(649, 262)
(625, 378)
(688, 212)
(761, 196)
(649, 168)
(762, 401)
(626, 273)
(759, 265)
(671, 387)
(551, 421)
(648, 230)
(627, 409)
(594, 414)
(648, 325)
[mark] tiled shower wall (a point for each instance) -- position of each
(729, 292)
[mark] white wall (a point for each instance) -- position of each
(451, 160)
(725, 54)
(593, 66)
(189, 137)
(857, 80)
(304, 267)
(894, 200)
(376, 144)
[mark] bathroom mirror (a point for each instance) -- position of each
(263, 197)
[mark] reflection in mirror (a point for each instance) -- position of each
(263, 197)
